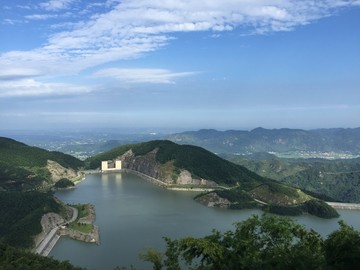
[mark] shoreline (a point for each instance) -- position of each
(50, 238)
(170, 186)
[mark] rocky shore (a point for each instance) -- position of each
(54, 226)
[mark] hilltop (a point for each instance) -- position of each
(23, 167)
(192, 166)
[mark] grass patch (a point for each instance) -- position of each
(83, 210)
(81, 227)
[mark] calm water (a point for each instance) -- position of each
(134, 215)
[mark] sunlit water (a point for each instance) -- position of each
(134, 215)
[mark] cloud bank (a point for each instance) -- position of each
(139, 75)
(131, 28)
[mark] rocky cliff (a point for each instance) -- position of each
(167, 172)
(57, 171)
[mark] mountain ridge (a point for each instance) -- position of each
(340, 140)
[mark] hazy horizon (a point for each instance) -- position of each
(179, 65)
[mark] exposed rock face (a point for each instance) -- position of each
(147, 164)
(92, 237)
(57, 171)
(184, 178)
(211, 199)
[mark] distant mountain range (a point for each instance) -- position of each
(339, 141)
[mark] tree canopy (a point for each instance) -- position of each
(266, 242)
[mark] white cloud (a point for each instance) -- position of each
(55, 5)
(30, 87)
(139, 75)
(17, 73)
(41, 16)
(10, 21)
(131, 28)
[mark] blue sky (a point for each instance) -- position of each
(154, 64)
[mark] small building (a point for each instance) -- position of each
(110, 165)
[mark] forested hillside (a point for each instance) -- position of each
(21, 155)
(21, 213)
(23, 167)
(338, 179)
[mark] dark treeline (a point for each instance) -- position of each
(21, 213)
(15, 259)
(268, 242)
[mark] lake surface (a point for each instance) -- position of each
(134, 215)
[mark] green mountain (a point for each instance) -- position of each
(338, 179)
(25, 170)
(192, 166)
(342, 141)
(21, 213)
(23, 167)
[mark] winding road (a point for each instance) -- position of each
(52, 237)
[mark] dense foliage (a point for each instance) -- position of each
(64, 183)
(24, 168)
(21, 155)
(320, 209)
(15, 259)
(21, 213)
(269, 242)
(241, 199)
(342, 248)
(17, 178)
(337, 179)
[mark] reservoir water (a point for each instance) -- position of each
(134, 215)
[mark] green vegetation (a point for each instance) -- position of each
(15, 259)
(198, 161)
(64, 183)
(15, 178)
(337, 180)
(269, 242)
(24, 168)
(83, 210)
(342, 248)
(278, 204)
(239, 198)
(21, 155)
(81, 227)
(21, 213)
(320, 209)
(343, 141)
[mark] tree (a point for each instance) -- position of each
(269, 242)
(342, 248)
